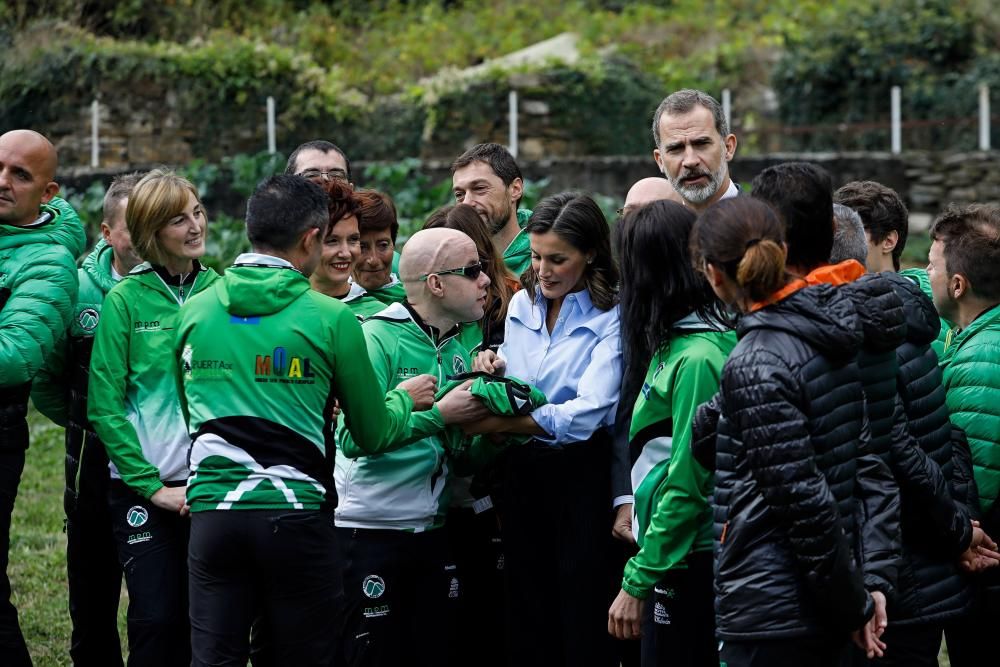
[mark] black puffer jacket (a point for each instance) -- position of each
(936, 529)
(787, 449)
(883, 325)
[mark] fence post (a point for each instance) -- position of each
(512, 127)
(984, 117)
(271, 142)
(95, 133)
(896, 118)
(727, 108)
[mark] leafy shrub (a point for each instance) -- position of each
(842, 71)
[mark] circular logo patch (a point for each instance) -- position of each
(373, 586)
(88, 318)
(458, 365)
(136, 516)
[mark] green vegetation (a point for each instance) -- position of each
(938, 51)
(225, 187)
(360, 69)
(38, 549)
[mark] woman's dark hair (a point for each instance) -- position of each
(343, 202)
(744, 238)
(376, 213)
(659, 286)
(578, 220)
(464, 218)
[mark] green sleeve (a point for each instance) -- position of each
(37, 313)
(972, 384)
(374, 418)
(109, 373)
(681, 500)
(50, 389)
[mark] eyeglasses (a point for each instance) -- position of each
(310, 174)
(471, 272)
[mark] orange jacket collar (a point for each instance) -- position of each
(828, 274)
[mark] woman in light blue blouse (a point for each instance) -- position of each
(561, 336)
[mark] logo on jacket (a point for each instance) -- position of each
(279, 366)
(136, 516)
(373, 586)
(87, 319)
(458, 364)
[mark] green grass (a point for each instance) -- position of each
(38, 549)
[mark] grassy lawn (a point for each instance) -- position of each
(38, 549)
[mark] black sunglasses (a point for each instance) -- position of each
(471, 272)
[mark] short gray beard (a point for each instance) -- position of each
(700, 195)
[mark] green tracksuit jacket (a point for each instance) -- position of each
(672, 514)
(362, 304)
(38, 281)
(970, 369)
(133, 403)
(402, 487)
(260, 353)
(517, 255)
(390, 293)
(51, 391)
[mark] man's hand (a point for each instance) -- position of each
(622, 528)
(982, 552)
(459, 406)
(171, 498)
(421, 389)
(487, 361)
(868, 637)
(625, 617)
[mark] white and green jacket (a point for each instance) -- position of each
(133, 403)
(404, 488)
(672, 515)
(260, 353)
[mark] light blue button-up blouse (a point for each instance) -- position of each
(578, 366)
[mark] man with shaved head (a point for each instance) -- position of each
(40, 238)
(647, 190)
(400, 582)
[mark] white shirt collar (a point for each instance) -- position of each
(261, 258)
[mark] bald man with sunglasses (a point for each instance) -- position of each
(400, 582)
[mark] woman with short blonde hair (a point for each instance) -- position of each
(135, 410)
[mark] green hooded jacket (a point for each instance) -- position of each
(39, 282)
(672, 515)
(51, 391)
(517, 255)
(133, 402)
(260, 354)
(402, 486)
(971, 376)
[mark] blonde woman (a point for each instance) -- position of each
(135, 410)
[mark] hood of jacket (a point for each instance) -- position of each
(255, 290)
(97, 266)
(64, 228)
(880, 310)
(923, 324)
(822, 315)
